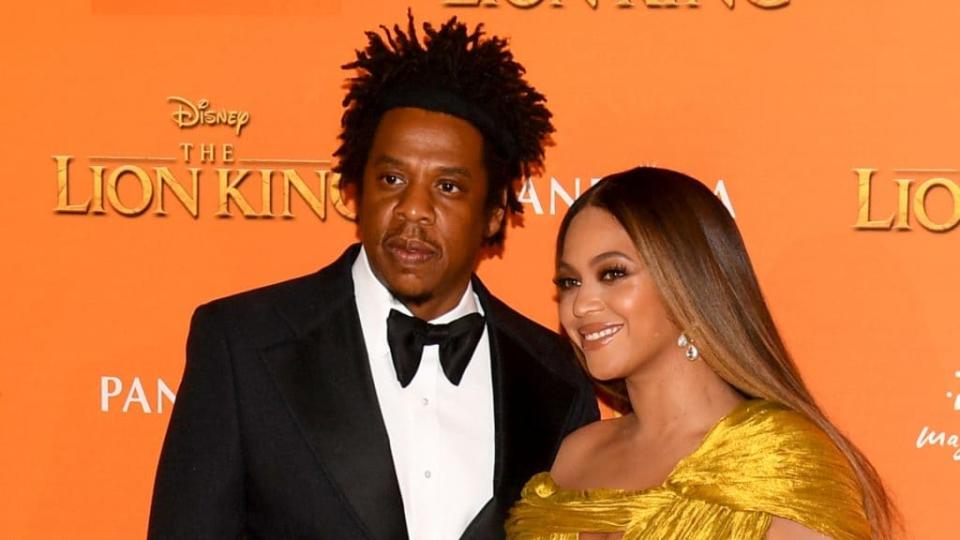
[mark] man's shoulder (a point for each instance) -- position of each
(541, 343)
(287, 304)
(300, 289)
(515, 324)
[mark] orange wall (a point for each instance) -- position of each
(782, 105)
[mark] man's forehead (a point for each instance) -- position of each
(403, 133)
(416, 117)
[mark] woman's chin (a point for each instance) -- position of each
(604, 373)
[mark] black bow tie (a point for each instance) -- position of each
(408, 335)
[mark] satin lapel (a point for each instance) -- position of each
(488, 522)
(325, 378)
(531, 405)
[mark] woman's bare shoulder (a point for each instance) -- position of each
(580, 447)
(784, 529)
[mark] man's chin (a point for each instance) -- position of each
(409, 290)
(413, 300)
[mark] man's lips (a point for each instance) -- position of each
(595, 335)
(410, 251)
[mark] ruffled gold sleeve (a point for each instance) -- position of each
(759, 462)
(766, 458)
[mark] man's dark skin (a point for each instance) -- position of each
(423, 212)
(278, 430)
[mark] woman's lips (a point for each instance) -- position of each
(410, 251)
(597, 335)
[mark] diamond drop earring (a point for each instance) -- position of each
(691, 352)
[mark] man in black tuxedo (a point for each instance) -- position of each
(389, 395)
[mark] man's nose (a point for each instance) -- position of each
(416, 202)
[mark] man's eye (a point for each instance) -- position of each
(390, 179)
(447, 186)
(564, 283)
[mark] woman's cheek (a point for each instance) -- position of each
(623, 297)
(565, 309)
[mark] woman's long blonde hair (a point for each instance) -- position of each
(696, 257)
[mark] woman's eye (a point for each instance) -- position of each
(564, 283)
(612, 274)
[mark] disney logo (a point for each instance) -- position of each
(188, 115)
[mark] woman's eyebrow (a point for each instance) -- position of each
(609, 255)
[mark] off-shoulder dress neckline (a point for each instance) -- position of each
(547, 486)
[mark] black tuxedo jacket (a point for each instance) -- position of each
(277, 432)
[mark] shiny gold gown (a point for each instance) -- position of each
(759, 462)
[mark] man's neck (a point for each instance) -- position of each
(438, 305)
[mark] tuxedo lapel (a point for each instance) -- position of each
(325, 378)
(531, 406)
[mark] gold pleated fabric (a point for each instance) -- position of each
(759, 462)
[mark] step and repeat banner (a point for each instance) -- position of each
(157, 155)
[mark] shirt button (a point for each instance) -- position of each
(426, 402)
(426, 474)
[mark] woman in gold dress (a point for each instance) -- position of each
(719, 437)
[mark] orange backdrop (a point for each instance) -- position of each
(781, 105)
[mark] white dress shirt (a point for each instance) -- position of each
(441, 435)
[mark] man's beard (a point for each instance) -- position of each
(412, 300)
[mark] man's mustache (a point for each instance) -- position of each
(410, 236)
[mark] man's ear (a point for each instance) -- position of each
(347, 195)
(495, 218)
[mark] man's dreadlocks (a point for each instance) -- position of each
(454, 71)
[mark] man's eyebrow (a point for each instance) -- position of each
(446, 170)
(388, 160)
(455, 171)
